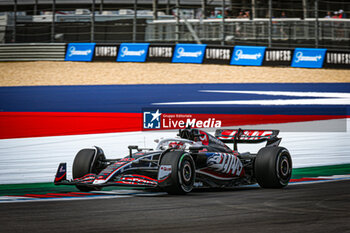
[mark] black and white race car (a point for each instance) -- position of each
(194, 159)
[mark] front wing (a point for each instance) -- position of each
(89, 180)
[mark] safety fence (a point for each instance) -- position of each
(209, 54)
(329, 33)
(291, 32)
(271, 23)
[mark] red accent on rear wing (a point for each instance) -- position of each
(245, 136)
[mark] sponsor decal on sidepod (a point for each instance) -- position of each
(164, 172)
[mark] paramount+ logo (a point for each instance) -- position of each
(189, 53)
(308, 57)
(80, 51)
(73, 51)
(157, 120)
(248, 55)
(132, 52)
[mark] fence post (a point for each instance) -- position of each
(204, 9)
(155, 9)
(168, 7)
(101, 7)
(35, 7)
(270, 23)
(177, 29)
(14, 21)
(134, 22)
(53, 21)
(253, 16)
(223, 23)
(253, 9)
(92, 31)
(316, 24)
(304, 9)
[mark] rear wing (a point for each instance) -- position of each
(248, 136)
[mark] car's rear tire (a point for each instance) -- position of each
(183, 173)
(86, 163)
(273, 167)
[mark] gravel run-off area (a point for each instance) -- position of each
(96, 73)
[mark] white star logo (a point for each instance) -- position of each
(156, 115)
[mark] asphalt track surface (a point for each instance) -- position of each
(320, 207)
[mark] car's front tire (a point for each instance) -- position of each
(183, 173)
(86, 163)
(273, 167)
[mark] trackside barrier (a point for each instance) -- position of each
(133, 52)
(80, 51)
(308, 58)
(278, 57)
(337, 59)
(209, 54)
(248, 55)
(189, 53)
(216, 54)
(160, 53)
(33, 52)
(106, 52)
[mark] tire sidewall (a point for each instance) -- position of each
(283, 167)
(273, 167)
(84, 163)
(182, 177)
(185, 173)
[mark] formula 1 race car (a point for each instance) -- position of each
(194, 159)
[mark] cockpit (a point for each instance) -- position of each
(175, 143)
(193, 137)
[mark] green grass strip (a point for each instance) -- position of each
(341, 169)
(37, 188)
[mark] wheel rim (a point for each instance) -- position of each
(284, 169)
(187, 172)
